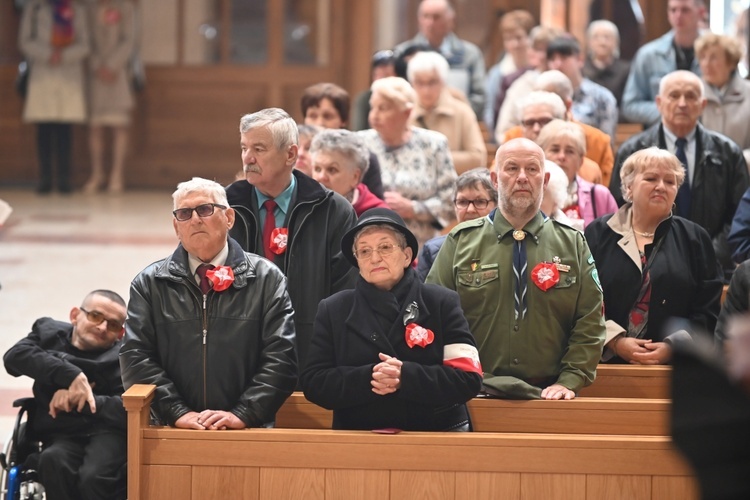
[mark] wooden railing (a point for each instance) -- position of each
(590, 447)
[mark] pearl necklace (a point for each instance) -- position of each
(643, 234)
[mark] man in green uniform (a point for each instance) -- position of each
(528, 286)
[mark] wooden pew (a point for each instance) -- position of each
(316, 464)
(630, 381)
(579, 416)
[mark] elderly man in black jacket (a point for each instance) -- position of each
(301, 232)
(211, 326)
(716, 170)
(77, 394)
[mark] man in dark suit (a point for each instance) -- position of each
(716, 169)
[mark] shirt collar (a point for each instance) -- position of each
(504, 229)
(217, 261)
(283, 200)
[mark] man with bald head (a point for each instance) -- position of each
(436, 21)
(528, 286)
(716, 170)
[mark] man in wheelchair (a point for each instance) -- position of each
(78, 414)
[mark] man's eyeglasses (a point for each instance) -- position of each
(96, 317)
(479, 203)
(540, 121)
(206, 210)
(383, 250)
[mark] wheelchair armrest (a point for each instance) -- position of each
(24, 403)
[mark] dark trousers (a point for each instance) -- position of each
(53, 144)
(85, 467)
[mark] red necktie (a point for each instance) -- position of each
(268, 227)
(206, 284)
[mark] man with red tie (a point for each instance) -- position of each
(290, 218)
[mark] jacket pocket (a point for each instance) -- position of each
(477, 279)
(566, 281)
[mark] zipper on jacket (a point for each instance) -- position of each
(295, 210)
(205, 332)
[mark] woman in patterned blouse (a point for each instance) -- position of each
(416, 164)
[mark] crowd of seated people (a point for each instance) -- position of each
(337, 251)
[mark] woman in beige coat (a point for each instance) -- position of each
(436, 109)
(727, 94)
(54, 39)
(113, 41)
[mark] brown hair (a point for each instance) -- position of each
(339, 97)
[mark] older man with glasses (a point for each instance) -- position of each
(77, 392)
(211, 325)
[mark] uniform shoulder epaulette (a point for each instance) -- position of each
(469, 224)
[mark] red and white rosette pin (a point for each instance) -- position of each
(545, 275)
(418, 335)
(278, 240)
(222, 277)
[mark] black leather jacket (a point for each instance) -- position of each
(231, 350)
(719, 182)
(313, 262)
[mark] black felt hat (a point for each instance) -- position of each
(378, 216)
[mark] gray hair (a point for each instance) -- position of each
(427, 62)
(476, 178)
(643, 159)
(203, 186)
(397, 90)
(343, 142)
(609, 26)
(683, 75)
(400, 238)
(559, 129)
(282, 127)
(556, 82)
(557, 186)
(553, 101)
(308, 131)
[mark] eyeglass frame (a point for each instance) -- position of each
(539, 121)
(482, 201)
(110, 322)
(213, 206)
(379, 248)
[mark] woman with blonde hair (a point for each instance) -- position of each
(416, 164)
(727, 93)
(652, 265)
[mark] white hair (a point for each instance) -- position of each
(557, 186)
(609, 26)
(553, 101)
(282, 127)
(556, 82)
(427, 62)
(200, 185)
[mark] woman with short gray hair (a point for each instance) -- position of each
(339, 162)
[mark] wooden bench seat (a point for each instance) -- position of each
(630, 381)
(315, 464)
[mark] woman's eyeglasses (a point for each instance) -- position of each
(479, 203)
(383, 250)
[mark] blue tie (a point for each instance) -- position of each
(519, 270)
(683, 194)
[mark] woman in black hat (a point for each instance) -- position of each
(393, 352)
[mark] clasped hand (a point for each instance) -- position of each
(386, 375)
(213, 420)
(643, 351)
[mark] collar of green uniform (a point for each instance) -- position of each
(503, 227)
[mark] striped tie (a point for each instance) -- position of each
(519, 270)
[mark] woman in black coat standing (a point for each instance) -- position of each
(393, 352)
(653, 266)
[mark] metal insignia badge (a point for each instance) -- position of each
(412, 311)
(563, 268)
(519, 235)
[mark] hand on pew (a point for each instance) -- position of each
(209, 420)
(557, 391)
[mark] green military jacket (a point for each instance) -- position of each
(561, 336)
